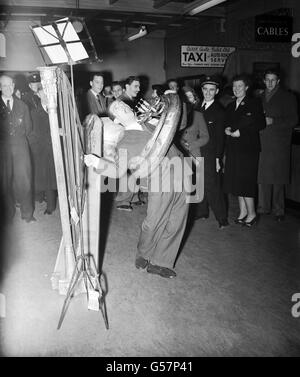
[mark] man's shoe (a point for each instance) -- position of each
(161, 271)
(138, 203)
(223, 223)
(29, 219)
(279, 218)
(47, 212)
(201, 217)
(141, 263)
(125, 207)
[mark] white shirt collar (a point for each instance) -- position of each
(239, 100)
(11, 101)
(208, 103)
(95, 94)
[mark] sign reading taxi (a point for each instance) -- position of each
(204, 56)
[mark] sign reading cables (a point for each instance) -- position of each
(204, 56)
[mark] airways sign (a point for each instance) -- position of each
(204, 56)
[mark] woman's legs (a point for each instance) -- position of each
(243, 208)
(251, 214)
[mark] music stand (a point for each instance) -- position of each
(59, 43)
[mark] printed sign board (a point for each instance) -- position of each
(204, 56)
(273, 28)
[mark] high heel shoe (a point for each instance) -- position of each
(252, 222)
(240, 221)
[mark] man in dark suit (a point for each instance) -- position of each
(212, 152)
(95, 101)
(16, 171)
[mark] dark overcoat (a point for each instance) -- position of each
(42, 151)
(242, 153)
(274, 162)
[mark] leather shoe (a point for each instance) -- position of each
(279, 218)
(125, 207)
(252, 222)
(141, 263)
(240, 221)
(161, 271)
(29, 219)
(201, 217)
(47, 212)
(223, 223)
(138, 203)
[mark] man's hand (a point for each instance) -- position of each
(186, 145)
(236, 133)
(228, 131)
(91, 160)
(269, 121)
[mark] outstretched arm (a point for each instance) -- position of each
(104, 166)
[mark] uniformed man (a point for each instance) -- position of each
(31, 97)
(15, 170)
(212, 152)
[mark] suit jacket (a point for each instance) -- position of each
(274, 165)
(195, 134)
(249, 119)
(214, 117)
(15, 127)
(95, 106)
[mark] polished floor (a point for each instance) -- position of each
(232, 295)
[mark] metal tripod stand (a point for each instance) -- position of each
(85, 267)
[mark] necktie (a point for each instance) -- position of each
(203, 108)
(8, 106)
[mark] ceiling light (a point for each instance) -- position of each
(201, 5)
(141, 33)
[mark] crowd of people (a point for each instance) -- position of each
(245, 146)
(236, 143)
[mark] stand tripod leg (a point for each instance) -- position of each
(101, 297)
(74, 280)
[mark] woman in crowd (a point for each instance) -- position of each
(244, 119)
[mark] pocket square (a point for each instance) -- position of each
(249, 114)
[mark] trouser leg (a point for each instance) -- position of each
(22, 179)
(51, 200)
(216, 199)
(7, 199)
(163, 228)
(278, 200)
(264, 198)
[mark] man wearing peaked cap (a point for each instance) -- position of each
(213, 153)
(31, 96)
(213, 80)
(34, 77)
